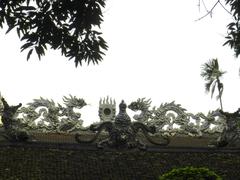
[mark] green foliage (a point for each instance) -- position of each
(190, 173)
(233, 37)
(68, 25)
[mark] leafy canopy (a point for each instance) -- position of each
(233, 37)
(68, 25)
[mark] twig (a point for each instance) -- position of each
(225, 8)
(199, 4)
(204, 5)
(209, 12)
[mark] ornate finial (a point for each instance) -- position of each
(12, 131)
(122, 118)
(107, 109)
(122, 106)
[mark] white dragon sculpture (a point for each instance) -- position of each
(45, 115)
(169, 114)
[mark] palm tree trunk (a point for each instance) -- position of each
(220, 99)
(219, 93)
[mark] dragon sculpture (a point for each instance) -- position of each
(12, 132)
(122, 132)
(44, 115)
(230, 135)
(169, 119)
(169, 114)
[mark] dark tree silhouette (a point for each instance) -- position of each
(69, 25)
(233, 37)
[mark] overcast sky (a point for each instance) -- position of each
(156, 49)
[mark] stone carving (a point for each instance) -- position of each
(231, 133)
(107, 109)
(45, 115)
(142, 105)
(1, 110)
(169, 114)
(169, 119)
(11, 124)
(1, 106)
(122, 132)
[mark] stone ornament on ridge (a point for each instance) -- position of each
(122, 133)
(47, 116)
(107, 109)
(13, 131)
(168, 115)
(167, 120)
(231, 133)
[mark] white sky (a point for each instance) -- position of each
(156, 49)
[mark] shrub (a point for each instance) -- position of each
(190, 173)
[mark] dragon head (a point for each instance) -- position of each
(73, 101)
(140, 104)
(134, 106)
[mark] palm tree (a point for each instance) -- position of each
(212, 74)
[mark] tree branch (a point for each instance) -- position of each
(204, 5)
(208, 12)
(225, 8)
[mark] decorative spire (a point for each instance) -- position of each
(122, 118)
(122, 106)
(107, 109)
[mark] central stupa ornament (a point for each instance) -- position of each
(123, 119)
(122, 133)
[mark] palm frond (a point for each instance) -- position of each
(211, 70)
(211, 73)
(216, 65)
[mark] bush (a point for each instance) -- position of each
(190, 173)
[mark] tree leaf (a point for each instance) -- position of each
(25, 8)
(29, 54)
(9, 29)
(25, 46)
